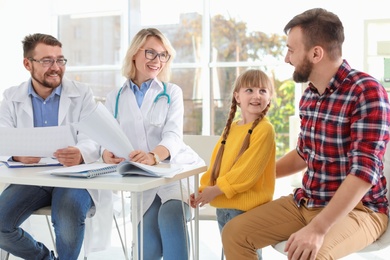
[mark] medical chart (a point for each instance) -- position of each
(102, 127)
(35, 141)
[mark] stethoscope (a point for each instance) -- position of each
(163, 94)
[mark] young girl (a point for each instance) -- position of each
(242, 171)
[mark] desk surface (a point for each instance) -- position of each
(112, 181)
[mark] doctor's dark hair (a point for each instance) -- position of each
(129, 70)
(250, 78)
(31, 41)
(320, 28)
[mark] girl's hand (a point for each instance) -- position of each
(192, 200)
(207, 195)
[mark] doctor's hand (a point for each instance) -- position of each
(69, 156)
(109, 157)
(141, 157)
(26, 159)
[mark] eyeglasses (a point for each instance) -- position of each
(151, 55)
(49, 62)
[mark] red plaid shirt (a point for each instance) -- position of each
(344, 131)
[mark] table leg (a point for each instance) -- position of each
(124, 227)
(141, 224)
(134, 222)
(196, 219)
(137, 216)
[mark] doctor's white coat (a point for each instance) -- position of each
(76, 102)
(135, 123)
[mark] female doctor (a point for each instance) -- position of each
(150, 111)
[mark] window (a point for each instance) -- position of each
(215, 40)
(377, 49)
(92, 44)
(210, 54)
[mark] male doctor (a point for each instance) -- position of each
(47, 99)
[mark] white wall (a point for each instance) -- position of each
(17, 19)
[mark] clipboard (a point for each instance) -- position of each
(42, 163)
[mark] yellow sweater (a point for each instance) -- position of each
(251, 180)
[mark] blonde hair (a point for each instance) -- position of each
(129, 69)
(252, 78)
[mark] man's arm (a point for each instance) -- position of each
(289, 164)
(305, 243)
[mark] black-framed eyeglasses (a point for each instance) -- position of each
(49, 62)
(152, 54)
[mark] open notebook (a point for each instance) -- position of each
(125, 168)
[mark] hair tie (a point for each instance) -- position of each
(250, 131)
(223, 142)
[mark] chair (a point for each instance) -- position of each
(45, 211)
(204, 145)
(384, 240)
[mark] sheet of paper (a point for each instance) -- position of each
(36, 141)
(102, 127)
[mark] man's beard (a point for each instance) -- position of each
(302, 73)
(46, 83)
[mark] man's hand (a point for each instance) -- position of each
(26, 159)
(304, 244)
(69, 156)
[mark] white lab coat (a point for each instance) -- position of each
(76, 102)
(134, 121)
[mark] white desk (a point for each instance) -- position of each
(135, 185)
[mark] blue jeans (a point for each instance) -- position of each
(69, 210)
(165, 231)
(224, 215)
